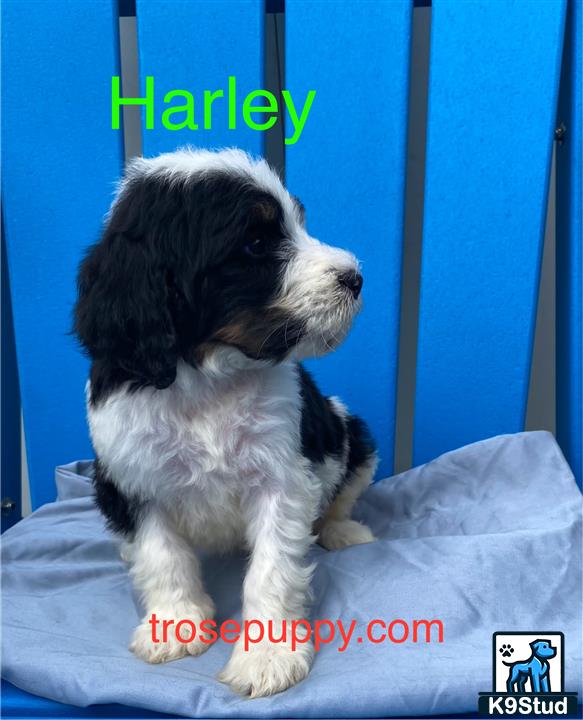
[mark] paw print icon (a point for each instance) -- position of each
(506, 650)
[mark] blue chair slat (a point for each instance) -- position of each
(60, 156)
(19, 704)
(349, 170)
(492, 101)
(196, 46)
(569, 262)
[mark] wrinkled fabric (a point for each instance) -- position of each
(486, 538)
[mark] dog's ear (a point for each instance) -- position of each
(123, 313)
(535, 644)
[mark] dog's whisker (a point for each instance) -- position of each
(285, 332)
(271, 334)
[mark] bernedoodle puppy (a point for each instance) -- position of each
(195, 307)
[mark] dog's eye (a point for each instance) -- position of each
(256, 248)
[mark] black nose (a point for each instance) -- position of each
(353, 281)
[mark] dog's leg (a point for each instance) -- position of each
(513, 678)
(167, 574)
(338, 530)
(276, 589)
(535, 680)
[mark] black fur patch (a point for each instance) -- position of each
(122, 513)
(361, 449)
(322, 429)
(361, 444)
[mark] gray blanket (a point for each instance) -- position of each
(485, 539)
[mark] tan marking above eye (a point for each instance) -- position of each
(265, 210)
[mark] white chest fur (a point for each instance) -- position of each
(217, 432)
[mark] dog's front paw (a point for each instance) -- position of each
(266, 668)
(162, 637)
(338, 534)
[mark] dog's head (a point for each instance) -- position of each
(203, 250)
(543, 649)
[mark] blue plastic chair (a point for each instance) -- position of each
(498, 73)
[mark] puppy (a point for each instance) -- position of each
(195, 307)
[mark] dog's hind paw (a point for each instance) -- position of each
(338, 534)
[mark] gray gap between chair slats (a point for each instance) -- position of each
(132, 126)
(541, 405)
(414, 193)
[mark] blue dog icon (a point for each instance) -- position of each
(535, 669)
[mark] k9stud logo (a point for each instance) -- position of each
(528, 662)
(528, 669)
